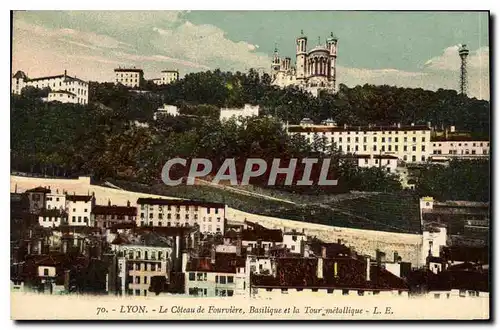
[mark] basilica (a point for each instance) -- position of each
(314, 71)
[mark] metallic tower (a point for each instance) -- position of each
(463, 52)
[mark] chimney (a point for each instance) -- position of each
(65, 72)
(212, 255)
(399, 125)
(378, 256)
(412, 124)
(345, 126)
(109, 202)
(429, 124)
(323, 252)
(319, 271)
(339, 241)
(65, 246)
(128, 203)
(15, 189)
(368, 261)
(335, 270)
(396, 257)
(185, 258)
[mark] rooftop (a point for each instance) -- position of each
(114, 210)
(369, 128)
(161, 201)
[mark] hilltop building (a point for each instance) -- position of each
(409, 143)
(167, 77)
(63, 88)
(129, 77)
(315, 69)
(247, 111)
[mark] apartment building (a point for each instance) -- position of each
(221, 275)
(79, 208)
(129, 77)
(409, 143)
(63, 88)
(106, 216)
(138, 264)
(167, 77)
(157, 212)
(52, 218)
(447, 148)
(55, 200)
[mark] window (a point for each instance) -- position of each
(45, 272)
(413, 158)
(230, 279)
(137, 280)
(423, 158)
(361, 293)
(396, 140)
(423, 148)
(79, 219)
(374, 139)
(222, 280)
(160, 216)
(423, 138)
(151, 215)
(142, 215)
(85, 210)
(345, 292)
(374, 148)
(383, 139)
(414, 148)
(329, 290)
(284, 290)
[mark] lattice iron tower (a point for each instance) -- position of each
(463, 52)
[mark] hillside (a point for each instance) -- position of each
(395, 212)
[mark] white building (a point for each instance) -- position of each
(79, 208)
(388, 163)
(167, 109)
(137, 264)
(459, 148)
(294, 241)
(55, 201)
(410, 143)
(167, 77)
(315, 69)
(247, 111)
(63, 88)
(52, 218)
(129, 77)
(157, 212)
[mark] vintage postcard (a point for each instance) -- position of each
(240, 165)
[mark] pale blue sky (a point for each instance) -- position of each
(415, 49)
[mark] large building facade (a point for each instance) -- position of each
(315, 69)
(157, 212)
(129, 77)
(409, 143)
(63, 88)
(167, 77)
